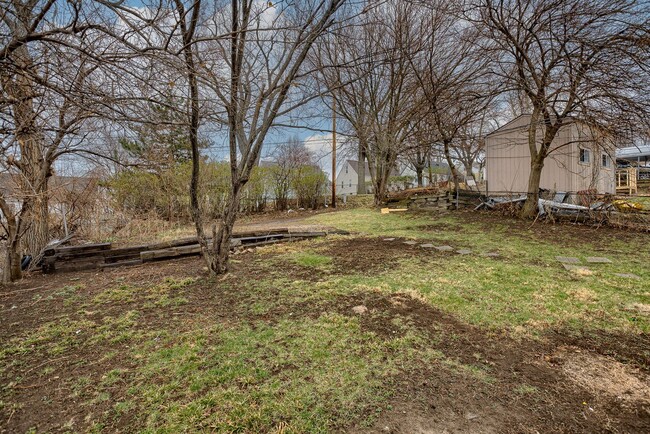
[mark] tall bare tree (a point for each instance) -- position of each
(454, 76)
(251, 72)
(367, 68)
(45, 77)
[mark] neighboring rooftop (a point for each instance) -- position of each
(634, 153)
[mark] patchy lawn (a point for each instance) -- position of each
(437, 341)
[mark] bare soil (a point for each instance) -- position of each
(565, 382)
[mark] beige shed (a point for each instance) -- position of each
(576, 162)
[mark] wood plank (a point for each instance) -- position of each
(121, 264)
(80, 248)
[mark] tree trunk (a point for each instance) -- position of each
(361, 171)
(450, 163)
(221, 239)
(530, 208)
(419, 174)
(12, 270)
(380, 182)
(36, 234)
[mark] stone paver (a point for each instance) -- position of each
(598, 260)
(427, 246)
(490, 254)
(464, 252)
(444, 248)
(389, 239)
(627, 275)
(576, 268)
(410, 243)
(568, 259)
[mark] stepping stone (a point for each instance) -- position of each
(598, 260)
(464, 251)
(427, 246)
(444, 248)
(389, 239)
(568, 259)
(490, 254)
(410, 243)
(576, 268)
(627, 275)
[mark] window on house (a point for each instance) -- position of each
(585, 155)
(342, 184)
(346, 169)
(607, 162)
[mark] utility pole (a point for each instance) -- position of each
(333, 153)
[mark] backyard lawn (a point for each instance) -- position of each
(370, 332)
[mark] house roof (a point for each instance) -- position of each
(511, 124)
(354, 164)
(633, 153)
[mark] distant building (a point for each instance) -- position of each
(347, 179)
(577, 162)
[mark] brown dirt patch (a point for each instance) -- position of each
(365, 255)
(602, 374)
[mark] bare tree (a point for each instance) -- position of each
(250, 72)
(454, 76)
(572, 59)
(45, 76)
(288, 158)
(367, 68)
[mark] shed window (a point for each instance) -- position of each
(585, 155)
(607, 162)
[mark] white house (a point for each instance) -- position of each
(347, 179)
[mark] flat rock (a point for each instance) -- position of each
(361, 309)
(627, 275)
(464, 252)
(490, 254)
(410, 243)
(389, 239)
(598, 260)
(427, 246)
(577, 268)
(568, 259)
(444, 248)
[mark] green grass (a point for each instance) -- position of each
(301, 376)
(285, 353)
(311, 259)
(525, 289)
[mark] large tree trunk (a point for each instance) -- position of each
(36, 235)
(530, 208)
(380, 174)
(12, 270)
